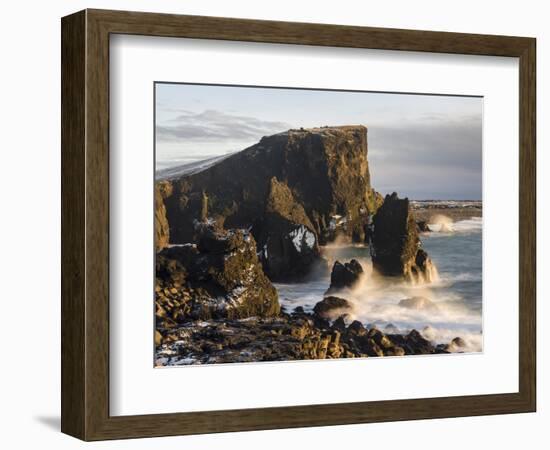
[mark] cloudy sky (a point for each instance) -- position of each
(422, 146)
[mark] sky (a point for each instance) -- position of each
(420, 146)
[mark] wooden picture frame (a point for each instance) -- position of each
(85, 224)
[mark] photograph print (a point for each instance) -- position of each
(303, 224)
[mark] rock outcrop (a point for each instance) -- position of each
(286, 337)
(287, 242)
(220, 277)
(325, 169)
(396, 245)
(344, 276)
(331, 307)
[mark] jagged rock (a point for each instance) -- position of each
(325, 169)
(396, 245)
(357, 328)
(413, 343)
(331, 307)
(220, 277)
(282, 338)
(344, 275)
(418, 303)
(287, 242)
(339, 324)
(162, 229)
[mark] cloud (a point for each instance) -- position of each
(212, 125)
(436, 155)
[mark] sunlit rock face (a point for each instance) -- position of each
(162, 229)
(396, 246)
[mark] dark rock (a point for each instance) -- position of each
(281, 338)
(344, 275)
(423, 226)
(287, 242)
(221, 277)
(325, 169)
(356, 328)
(459, 342)
(396, 245)
(339, 324)
(331, 307)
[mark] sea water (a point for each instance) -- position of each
(455, 299)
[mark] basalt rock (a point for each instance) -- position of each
(287, 242)
(325, 169)
(220, 277)
(332, 307)
(286, 337)
(162, 229)
(344, 276)
(396, 245)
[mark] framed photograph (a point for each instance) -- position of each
(273, 225)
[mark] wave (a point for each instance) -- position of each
(444, 225)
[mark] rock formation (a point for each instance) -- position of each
(332, 307)
(220, 277)
(325, 169)
(287, 242)
(162, 229)
(286, 337)
(396, 245)
(344, 276)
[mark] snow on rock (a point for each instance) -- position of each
(300, 236)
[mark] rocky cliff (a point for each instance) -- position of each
(325, 169)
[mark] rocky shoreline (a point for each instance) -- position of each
(226, 233)
(429, 211)
(287, 337)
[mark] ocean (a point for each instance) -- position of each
(454, 306)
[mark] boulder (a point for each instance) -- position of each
(219, 278)
(396, 245)
(344, 276)
(332, 307)
(287, 242)
(326, 170)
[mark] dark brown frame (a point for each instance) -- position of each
(85, 224)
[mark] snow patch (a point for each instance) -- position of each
(301, 236)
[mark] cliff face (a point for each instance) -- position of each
(325, 169)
